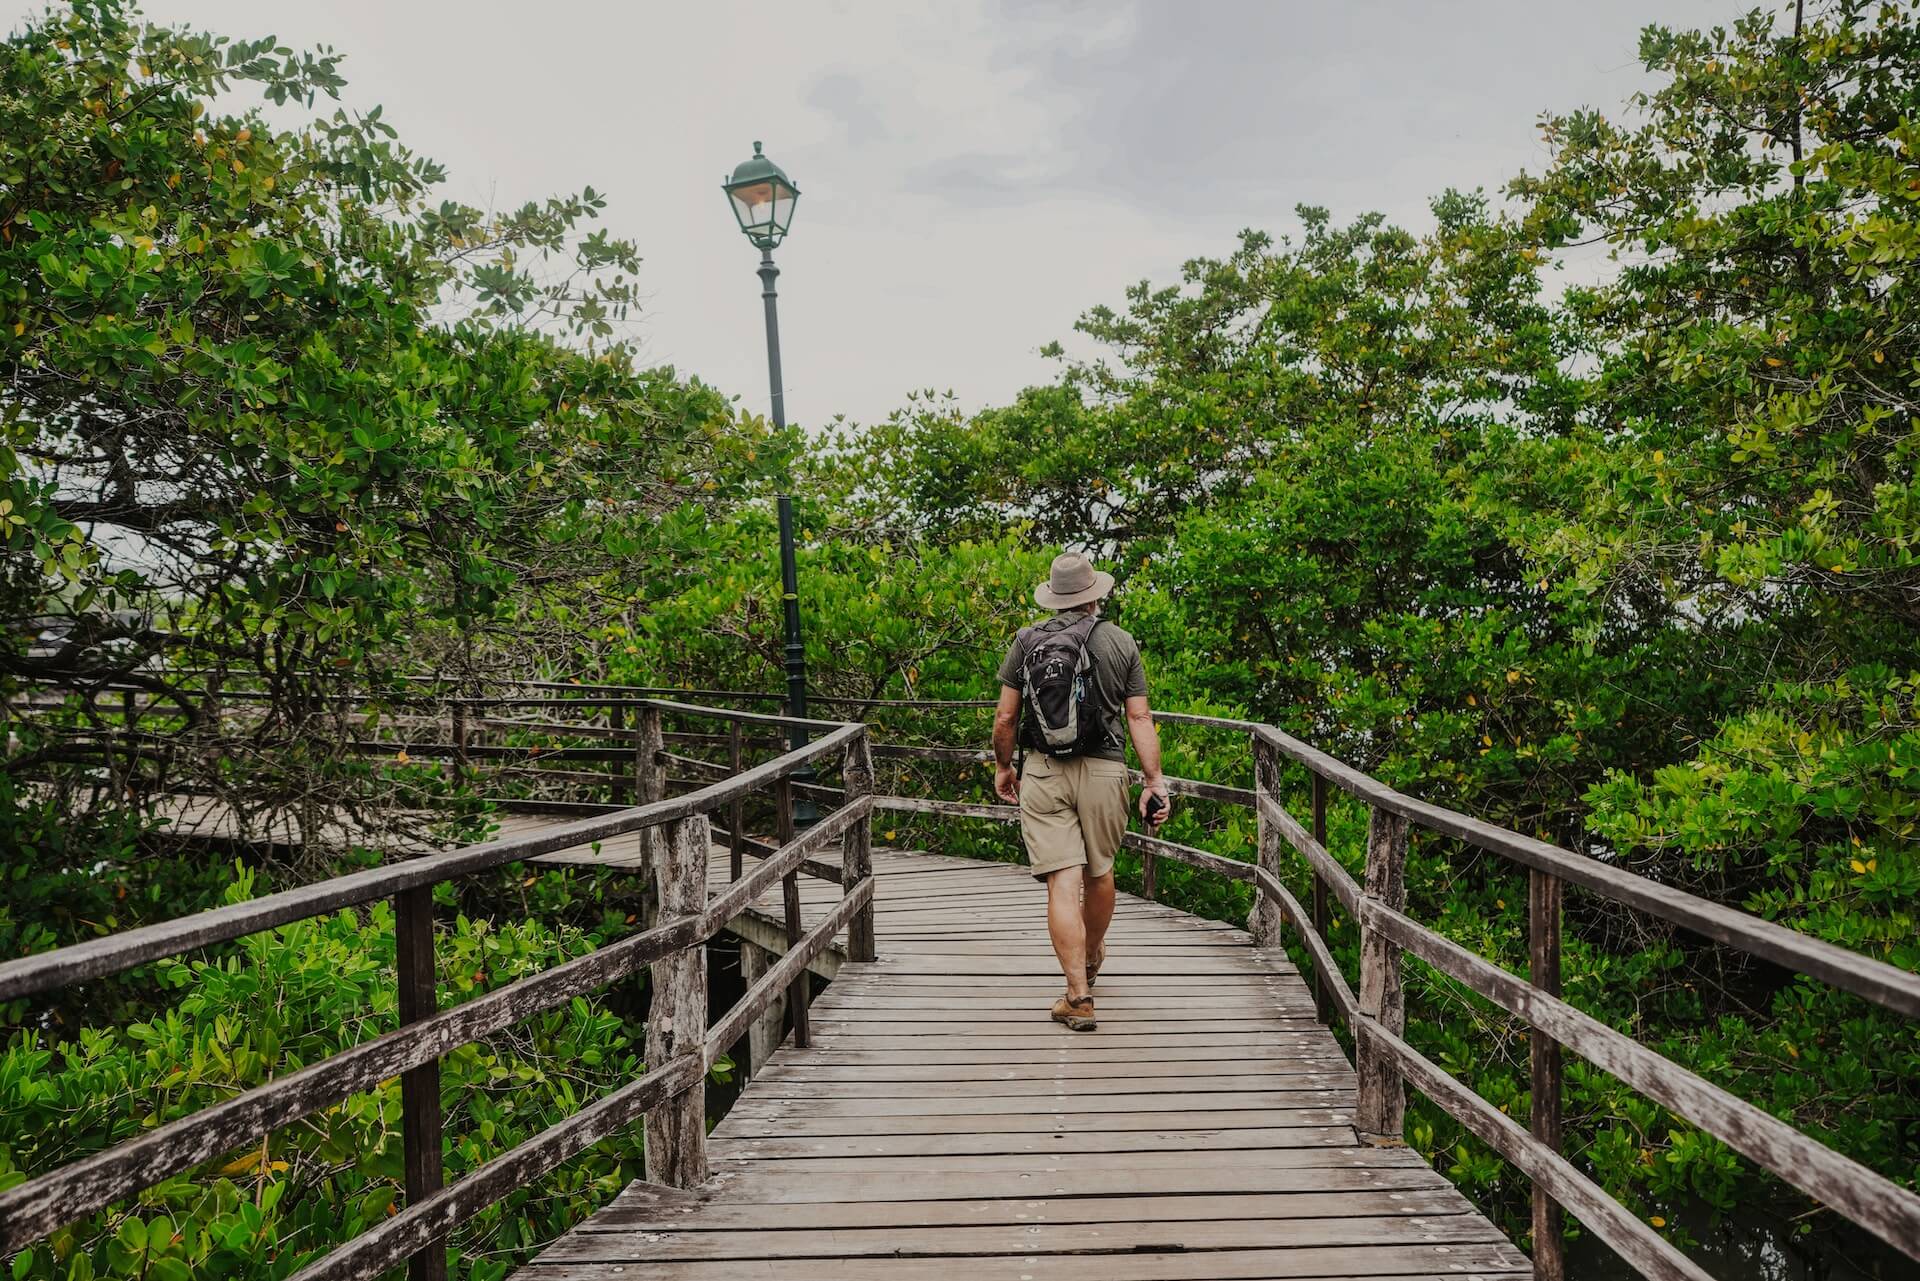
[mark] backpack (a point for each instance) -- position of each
(1058, 690)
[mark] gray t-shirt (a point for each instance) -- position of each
(1118, 675)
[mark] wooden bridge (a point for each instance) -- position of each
(923, 1118)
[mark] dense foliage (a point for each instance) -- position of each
(278, 417)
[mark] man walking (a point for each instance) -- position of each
(1080, 683)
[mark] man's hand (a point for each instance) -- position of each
(1155, 787)
(1006, 784)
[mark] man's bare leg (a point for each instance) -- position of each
(1096, 913)
(1067, 927)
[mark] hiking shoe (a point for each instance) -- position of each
(1093, 966)
(1076, 1013)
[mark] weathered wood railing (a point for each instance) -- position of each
(680, 1046)
(1385, 1061)
(1377, 902)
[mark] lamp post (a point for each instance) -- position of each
(763, 198)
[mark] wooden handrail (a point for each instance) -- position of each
(1843, 1184)
(1383, 1056)
(1883, 984)
(116, 952)
(1385, 1059)
(679, 1043)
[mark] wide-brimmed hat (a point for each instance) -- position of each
(1072, 581)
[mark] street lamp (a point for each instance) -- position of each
(763, 198)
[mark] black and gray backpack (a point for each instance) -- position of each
(1060, 690)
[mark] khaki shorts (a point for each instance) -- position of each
(1072, 813)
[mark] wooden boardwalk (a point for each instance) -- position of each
(940, 1126)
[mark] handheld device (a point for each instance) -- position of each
(1155, 808)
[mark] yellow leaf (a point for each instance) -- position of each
(1879, 357)
(1472, 701)
(1659, 455)
(1487, 740)
(1657, 1221)
(1790, 1050)
(1500, 903)
(1859, 867)
(19, 327)
(402, 756)
(1872, 864)
(889, 834)
(1512, 676)
(242, 1163)
(1775, 361)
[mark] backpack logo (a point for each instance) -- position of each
(1062, 715)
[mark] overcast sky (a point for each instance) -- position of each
(974, 173)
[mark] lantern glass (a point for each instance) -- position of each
(763, 200)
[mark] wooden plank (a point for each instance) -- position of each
(1059, 1238)
(795, 1121)
(764, 1105)
(1171, 1139)
(1039, 1025)
(879, 1083)
(1034, 1170)
(776, 1185)
(734, 1215)
(1338, 1263)
(1149, 983)
(1047, 1036)
(1113, 1009)
(1203, 1050)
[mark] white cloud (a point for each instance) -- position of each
(974, 174)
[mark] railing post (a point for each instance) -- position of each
(799, 993)
(649, 779)
(1543, 956)
(1322, 913)
(457, 732)
(856, 847)
(1265, 921)
(1149, 876)
(420, 1120)
(737, 811)
(676, 1133)
(1381, 1115)
(622, 782)
(769, 1026)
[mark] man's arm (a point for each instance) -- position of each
(1006, 723)
(1146, 744)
